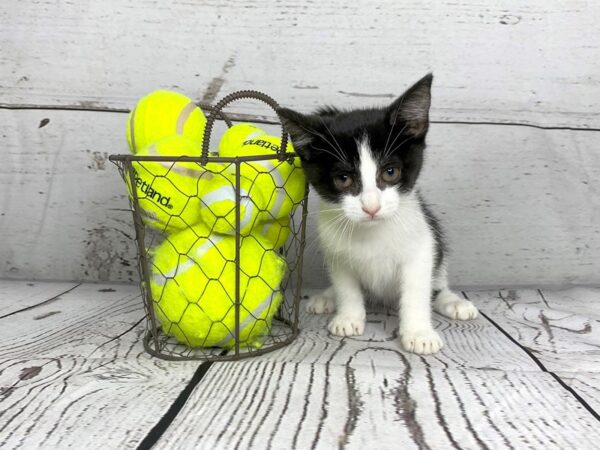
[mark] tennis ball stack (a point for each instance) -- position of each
(276, 187)
(193, 270)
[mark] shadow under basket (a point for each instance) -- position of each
(220, 243)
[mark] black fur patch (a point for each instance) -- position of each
(441, 246)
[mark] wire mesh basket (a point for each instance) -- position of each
(220, 243)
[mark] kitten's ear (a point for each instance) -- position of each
(298, 126)
(411, 110)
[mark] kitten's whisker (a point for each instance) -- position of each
(333, 257)
(400, 144)
(332, 226)
(347, 232)
(338, 150)
(333, 147)
(325, 211)
(341, 235)
(393, 125)
(395, 138)
(329, 226)
(332, 137)
(389, 150)
(322, 136)
(336, 232)
(314, 132)
(335, 155)
(325, 228)
(336, 208)
(385, 147)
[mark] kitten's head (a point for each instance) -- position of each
(364, 160)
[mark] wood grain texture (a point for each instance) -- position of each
(496, 190)
(377, 399)
(481, 391)
(531, 63)
(79, 378)
(19, 295)
(73, 373)
(62, 200)
(563, 339)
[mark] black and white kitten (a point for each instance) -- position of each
(378, 236)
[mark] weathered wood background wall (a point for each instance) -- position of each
(514, 157)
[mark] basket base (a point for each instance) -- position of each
(160, 345)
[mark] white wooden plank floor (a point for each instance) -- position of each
(526, 374)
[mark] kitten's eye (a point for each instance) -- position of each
(391, 175)
(343, 181)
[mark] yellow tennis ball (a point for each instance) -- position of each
(281, 183)
(168, 191)
(235, 135)
(193, 287)
(218, 198)
(161, 114)
(276, 232)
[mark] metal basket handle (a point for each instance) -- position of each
(221, 115)
(216, 111)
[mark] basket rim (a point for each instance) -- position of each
(289, 156)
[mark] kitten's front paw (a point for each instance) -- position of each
(343, 325)
(452, 306)
(422, 342)
(320, 304)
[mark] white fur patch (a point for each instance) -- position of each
(368, 167)
(370, 197)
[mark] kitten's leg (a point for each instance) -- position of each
(350, 317)
(416, 329)
(446, 302)
(322, 303)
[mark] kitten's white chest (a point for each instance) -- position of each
(374, 254)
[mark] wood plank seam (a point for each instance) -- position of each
(27, 308)
(235, 117)
(163, 424)
(241, 117)
(543, 368)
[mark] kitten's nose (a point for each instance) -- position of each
(371, 210)
(370, 203)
